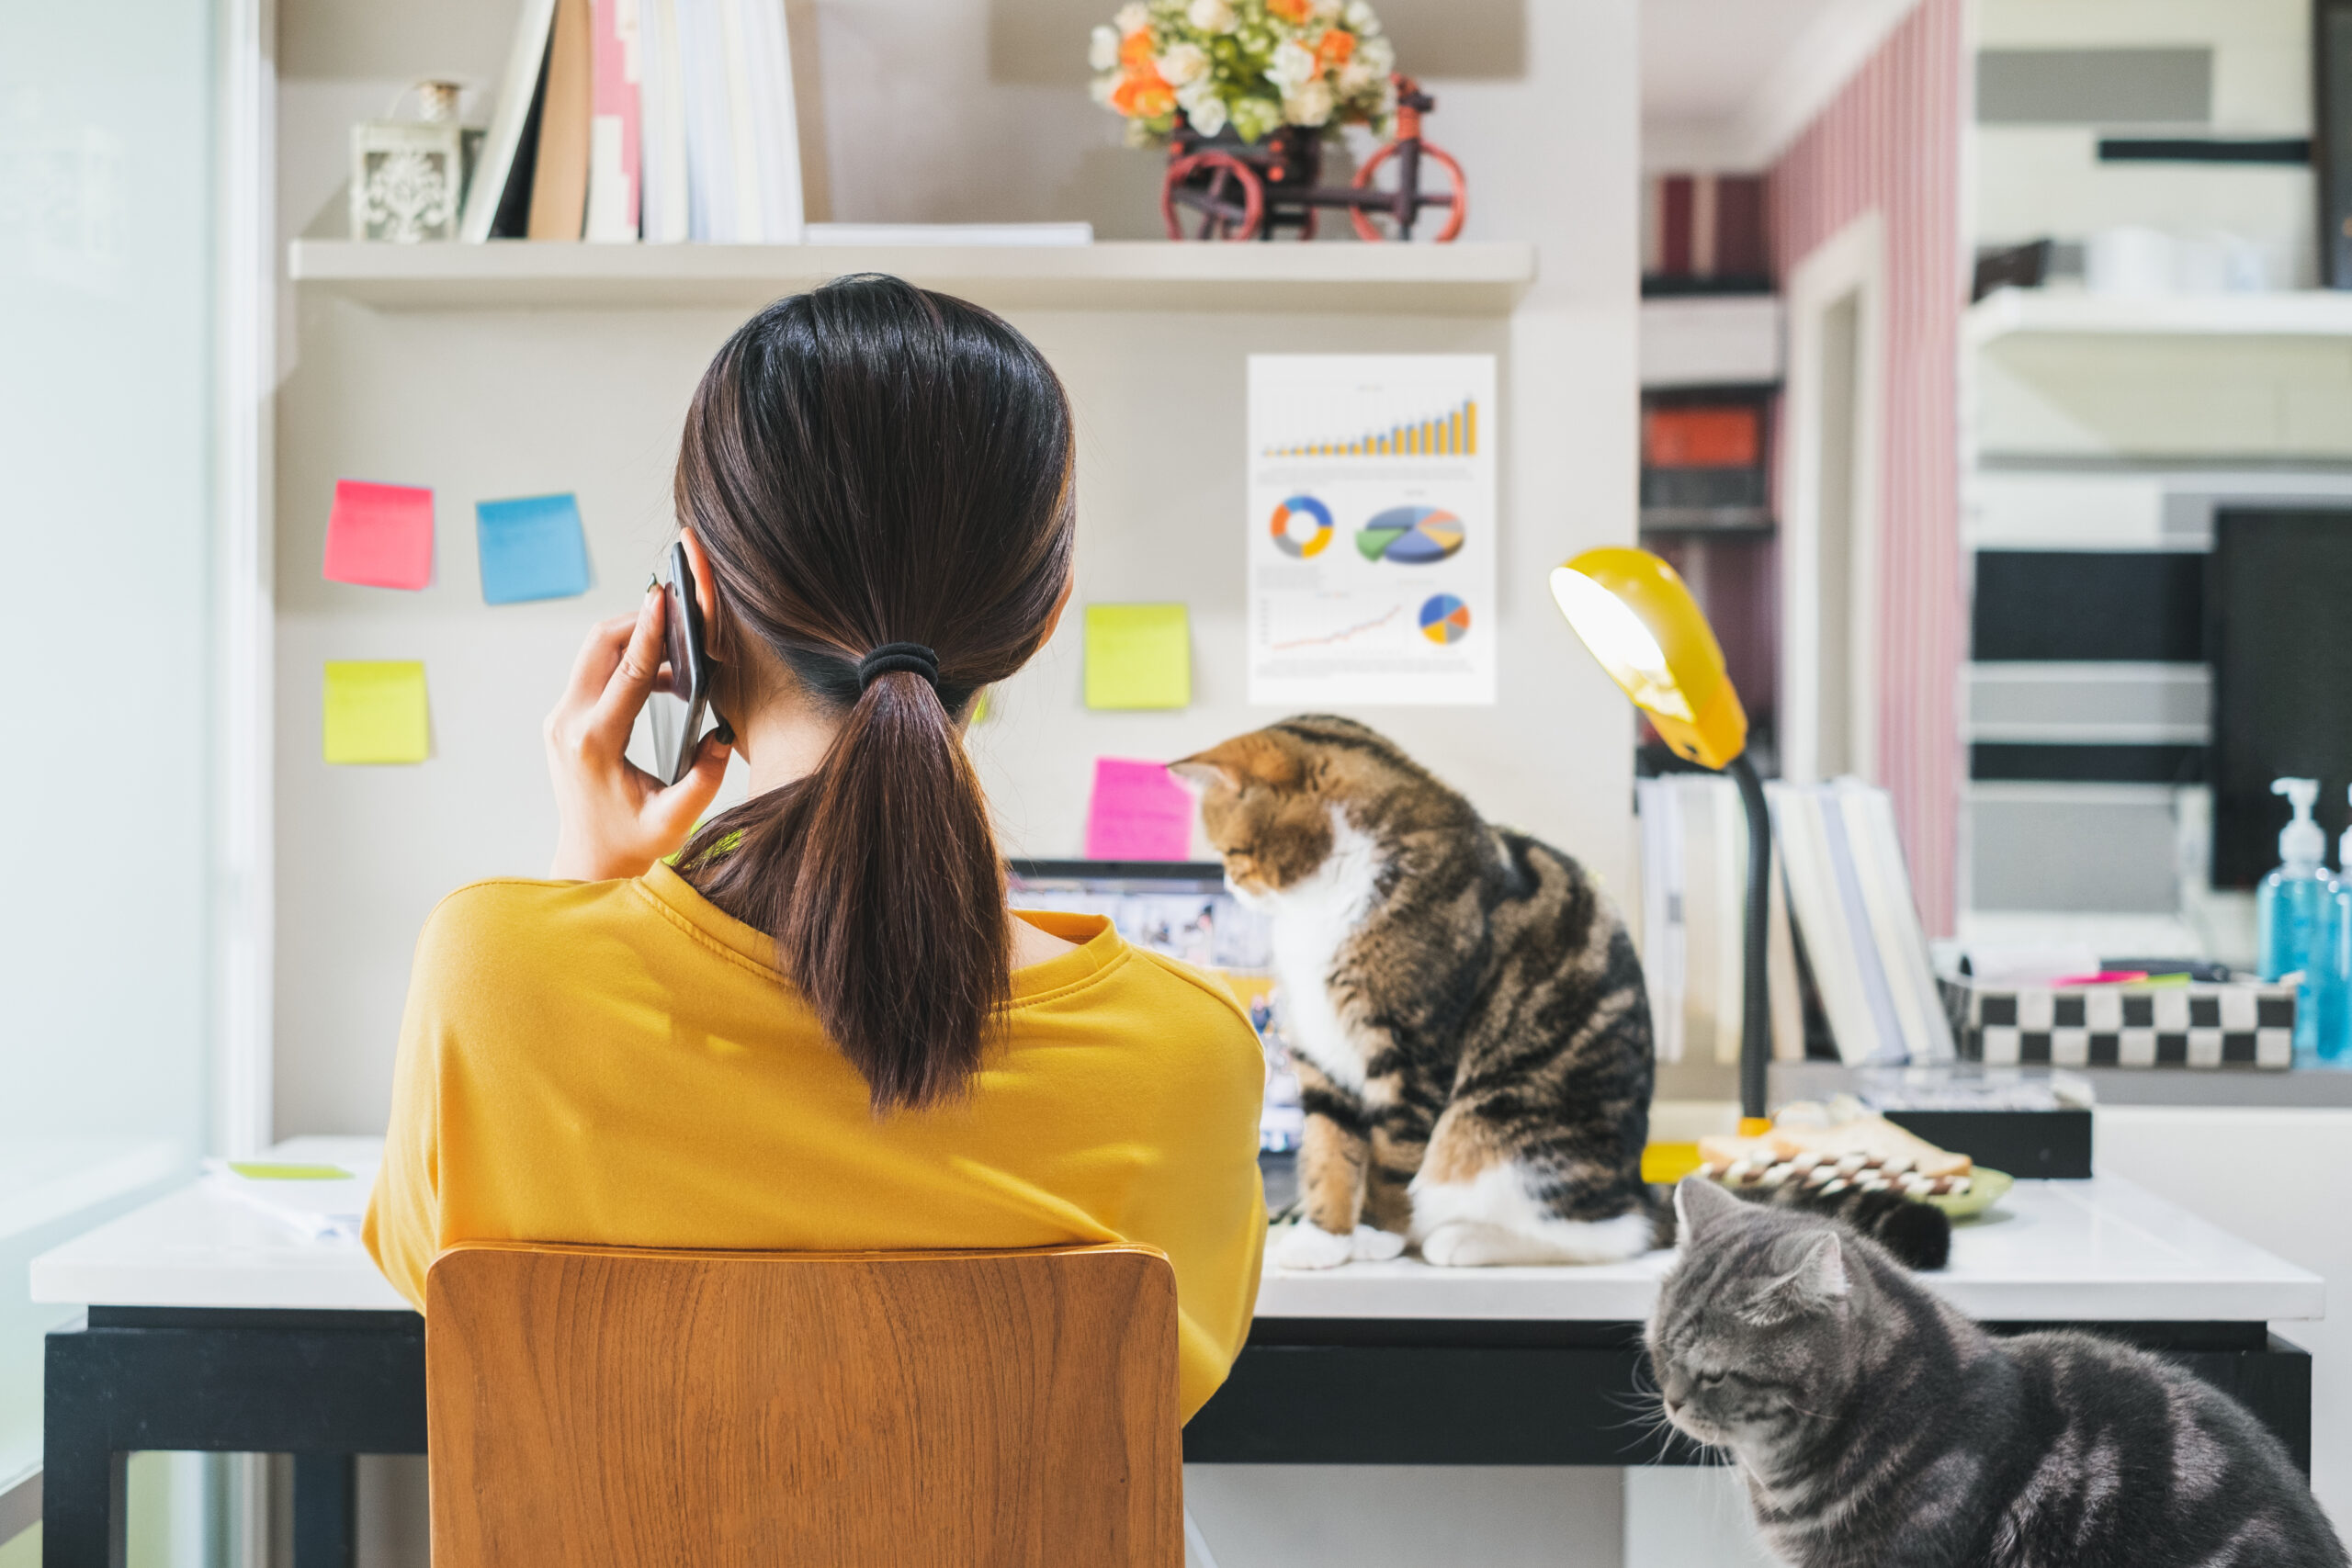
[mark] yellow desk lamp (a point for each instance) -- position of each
(1635, 614)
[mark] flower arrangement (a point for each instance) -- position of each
(1252, 64)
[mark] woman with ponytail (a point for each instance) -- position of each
(817, 1024)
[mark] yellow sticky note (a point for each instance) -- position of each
(1138, 656)
(263, 1170)
(376, 711)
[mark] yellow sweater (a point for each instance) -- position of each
(620, 1063)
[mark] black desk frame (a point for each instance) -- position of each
(325, 1386)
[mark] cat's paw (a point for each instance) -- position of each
(1469, 1244)
(1306, 1244)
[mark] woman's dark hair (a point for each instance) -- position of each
(866, 463)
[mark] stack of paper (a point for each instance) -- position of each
(325, 1202)
(1693, 923)
(1864, 946)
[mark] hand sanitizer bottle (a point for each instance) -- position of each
(2331, 1043)
(2291, 909)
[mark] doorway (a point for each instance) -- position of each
(1829, 589)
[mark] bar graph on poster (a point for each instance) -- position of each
(1371, 536)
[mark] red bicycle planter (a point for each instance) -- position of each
(1231, 189)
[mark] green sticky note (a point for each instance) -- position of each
(1138, 656)
(376, 711)
(258, 1170)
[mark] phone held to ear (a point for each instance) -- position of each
(689, 662)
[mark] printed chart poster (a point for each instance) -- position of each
(1372, 529)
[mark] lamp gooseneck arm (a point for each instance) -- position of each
(1756, 1013)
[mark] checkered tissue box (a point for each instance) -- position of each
(2197, 1025)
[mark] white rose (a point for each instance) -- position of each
(1132, 15)
(1102, 49)
(1212, 16)
(1183, 62)
(1378, 53)
(1206, 113)
(1323, 10)
(1293, 63)
(1102, 87)
(1361, 18)
(1354, 77)
(1308, 105)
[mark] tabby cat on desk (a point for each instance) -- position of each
(1464, 1003)
(1875, 1425)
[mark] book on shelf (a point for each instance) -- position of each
(511, 125)
(1693, 923)
(1849, 896)
(662, 205)
(661, 119)
(559, 174)
(615, 135)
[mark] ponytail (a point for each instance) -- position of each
(881, 479)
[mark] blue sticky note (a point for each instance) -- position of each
(531, 549)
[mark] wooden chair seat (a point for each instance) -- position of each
(596, 1404)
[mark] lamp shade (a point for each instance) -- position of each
(1635, 614)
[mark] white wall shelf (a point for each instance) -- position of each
(1728, 339)
(1415, 279)
(2302, 313)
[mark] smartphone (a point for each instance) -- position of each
(689, 660)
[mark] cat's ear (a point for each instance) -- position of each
(1201, 770)
(1818, 1276)
(1254, 757)
(1699, 1205)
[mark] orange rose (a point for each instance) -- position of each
(1291, 10)
(1135, 49)
(1332, 50)
(1143, 93)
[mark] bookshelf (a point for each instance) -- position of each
(1474, 279)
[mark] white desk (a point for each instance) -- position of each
(214, 1326)
(2103, 1251)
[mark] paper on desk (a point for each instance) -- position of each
(376, 711)
(380, 536)
(1138, 656)
(323, 1208)
(531, 549)
(1139, 812)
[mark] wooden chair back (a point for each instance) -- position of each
(616, 1405)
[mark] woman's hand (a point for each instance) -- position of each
(616, 819)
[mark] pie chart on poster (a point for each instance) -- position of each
(1411, 535)
(1302, 526)
(1444, 618)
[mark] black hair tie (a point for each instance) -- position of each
(893, 657)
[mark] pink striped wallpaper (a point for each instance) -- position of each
(1891, 140)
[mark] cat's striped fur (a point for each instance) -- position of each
(1466, 1002)
(1877, 1425)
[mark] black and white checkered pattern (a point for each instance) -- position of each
(2197, 1025)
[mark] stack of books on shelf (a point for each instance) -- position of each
(1845, 958)
(1861, 945)
(660, 119)
(1693, 923)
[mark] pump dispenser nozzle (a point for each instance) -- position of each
(2301, 845)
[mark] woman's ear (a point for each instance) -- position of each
(713, 624)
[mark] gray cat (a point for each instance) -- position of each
(1877, 1427)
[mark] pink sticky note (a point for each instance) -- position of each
(1139, 812)
(380, 536)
